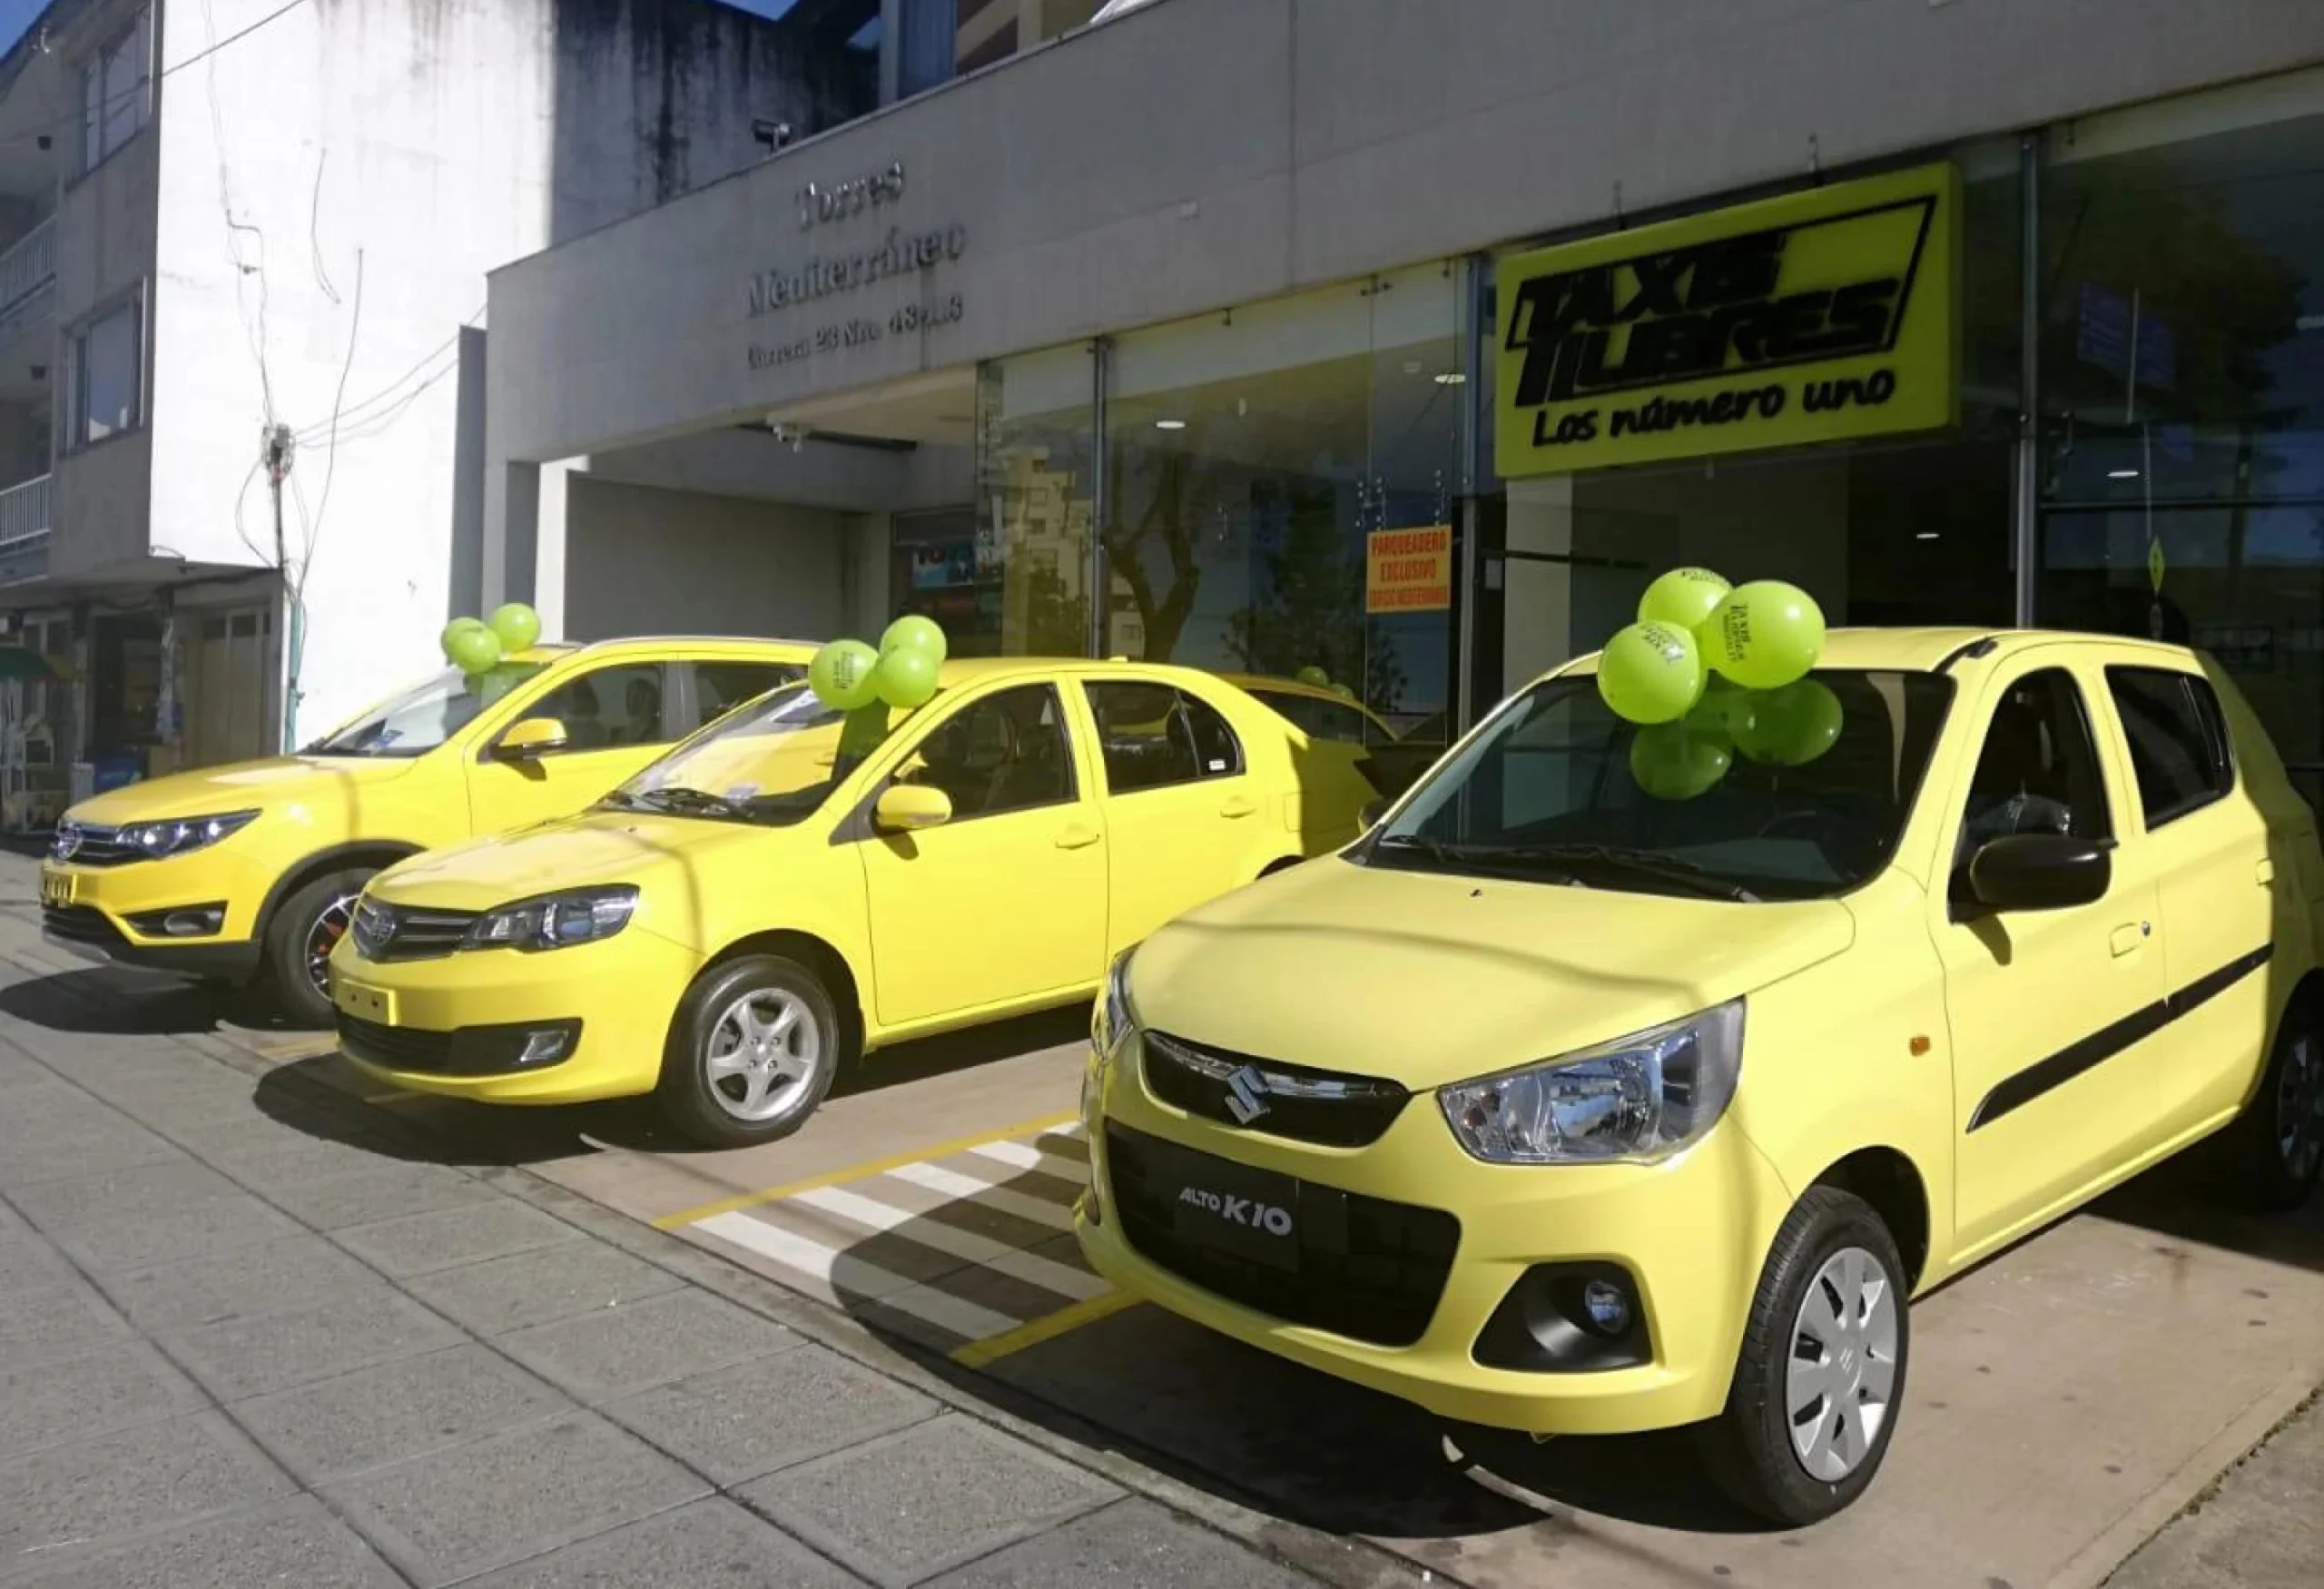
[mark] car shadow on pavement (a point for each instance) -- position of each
(108, 1002)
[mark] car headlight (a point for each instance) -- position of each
(1638, 1097)
(556, 920)
(156, 840)
(1114, 1017)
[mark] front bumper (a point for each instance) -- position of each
(95, 913)
(621, 993)
(1691, 1234)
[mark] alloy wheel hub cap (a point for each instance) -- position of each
(1840, 1379)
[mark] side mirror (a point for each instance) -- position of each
(534, 736)
(906, 808)
(2039, 872)
(1371, 815)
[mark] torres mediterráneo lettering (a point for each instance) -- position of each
(899, 253)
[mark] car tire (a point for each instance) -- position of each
(755, 1047)
(1829, 1330)
(306, 926)
(2276, 1147)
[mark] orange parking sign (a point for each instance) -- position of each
(1408, 570)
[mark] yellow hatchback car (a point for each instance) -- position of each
(251, 871)
(1555, 1106)
(771, 899)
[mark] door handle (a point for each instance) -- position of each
(1238, 806)
(2130, 936)
(1078, 836)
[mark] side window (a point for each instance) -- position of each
(1319, 719)
(2178, 738)
(608, 708)
(1007, 752)
(1152, 737)
(721, 686)
(2038, 772)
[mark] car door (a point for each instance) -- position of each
(1183, 809)
(2211, 849)
(616, 721)
(2053, 1011)
(1006, 902)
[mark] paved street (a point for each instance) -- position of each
(265, 1323)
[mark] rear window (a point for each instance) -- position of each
(2178, 735)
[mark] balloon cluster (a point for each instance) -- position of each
(475, 646)
(848, 674)
(1712, 670)
(1317, 678)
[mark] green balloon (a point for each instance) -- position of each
(1313, 674)
(518, 625)
(906, 678)
(472, 650)
(913, 632)
(1683, 597)
(1672, 762)
(456, 626)
(1724, 712)
(1650, 673)
(1792, 726)
(1343, 693)
(1764, 635)
(841, 675)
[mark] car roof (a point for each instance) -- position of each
(783, 651)
(967, 670)
(1925, 650)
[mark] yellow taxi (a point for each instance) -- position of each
(786, 891)
(251, 871)
(1557, 1106)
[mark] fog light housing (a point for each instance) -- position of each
(547, 1045)
(182, 921)
(1567, 1319)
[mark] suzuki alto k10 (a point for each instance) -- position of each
(250, 871)
(1556, 1106)
(779, 895)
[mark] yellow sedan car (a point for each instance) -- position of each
(251, 871)
(1556, 1105)
(785, 892)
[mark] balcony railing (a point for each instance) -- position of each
(23, 514)
(28, 264)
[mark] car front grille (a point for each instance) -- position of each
(1250, 1094)
(1369, 1269)
(79, 924)
(396, 1047)
(392, 932)
(81, 844)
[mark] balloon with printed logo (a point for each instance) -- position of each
(1764, 635)
(906, 678)
(913, 632)
(1650, 673)
(473, 650)
(1683, 597)
(1315, 676)
(1792, 726)
(841, 673)
(1672, 761)
(518, 625)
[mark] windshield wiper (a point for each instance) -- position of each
(1663, 868)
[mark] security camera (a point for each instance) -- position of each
(774, 135)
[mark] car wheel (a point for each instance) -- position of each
(306, 928)
(755, 1048)
(1820, 1378)
(2278, 1143)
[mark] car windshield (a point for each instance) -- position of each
(773, 761)
(424, 716)
(1558, 789)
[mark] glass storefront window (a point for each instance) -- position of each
(1036, 493)
(2183, 389)
(1253, 455)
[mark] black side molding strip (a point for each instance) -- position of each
(2088, 1053)
(1983, 646)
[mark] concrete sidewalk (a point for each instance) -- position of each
(245, 1338)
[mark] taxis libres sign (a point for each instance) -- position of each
(1817, 316)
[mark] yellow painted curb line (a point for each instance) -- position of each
(1049, 1326)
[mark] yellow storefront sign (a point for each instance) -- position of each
(1408, 570)
(1818, 316)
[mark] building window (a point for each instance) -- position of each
(116, 92)
(103, 376)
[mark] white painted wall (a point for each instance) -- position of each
(640, 560)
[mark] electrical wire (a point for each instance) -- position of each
(356, 419)
(338, 405)
(80, 116)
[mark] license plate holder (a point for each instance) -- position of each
(1231, 1207)
(58, 889)
(377, 1006)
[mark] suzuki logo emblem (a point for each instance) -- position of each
(1246, 1095)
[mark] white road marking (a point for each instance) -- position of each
(1047, 1274)
(1024, 1156)
(841, 1270)
(952, 1183)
